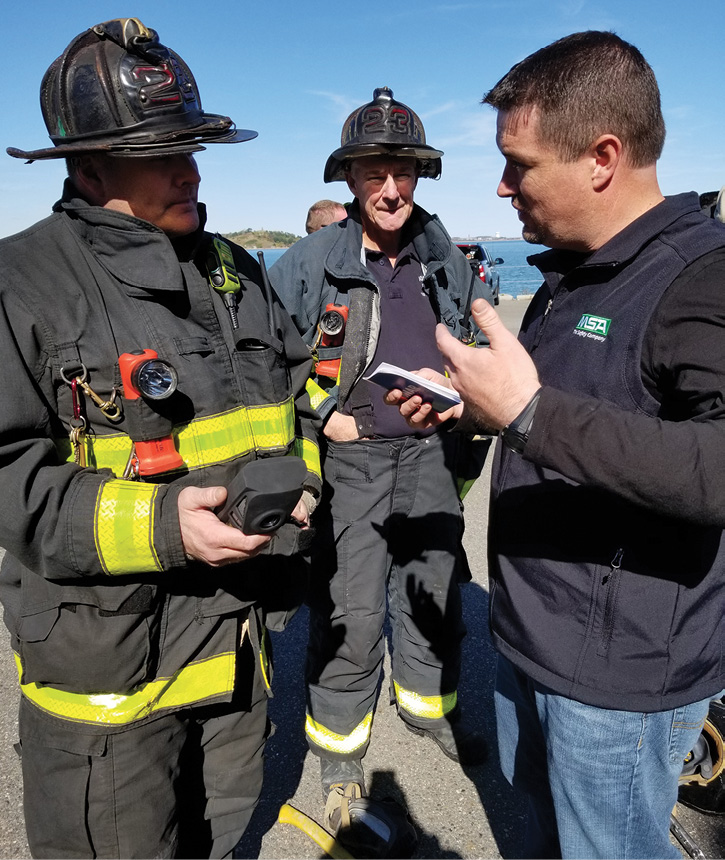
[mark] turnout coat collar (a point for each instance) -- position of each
(134, 251)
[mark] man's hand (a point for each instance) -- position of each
(301, 514)
(206, 538)
(495, 383)
(418, 414)
(340, 428)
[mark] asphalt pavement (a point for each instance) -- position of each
(468, 812)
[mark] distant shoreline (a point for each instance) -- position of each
(464, 240)
(454, 239)
(508, 297)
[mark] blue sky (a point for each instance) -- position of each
(294, 70)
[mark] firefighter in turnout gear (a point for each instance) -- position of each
(137, 617)
(390, 523)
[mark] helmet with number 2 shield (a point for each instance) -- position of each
(117, 90)
(383, 127)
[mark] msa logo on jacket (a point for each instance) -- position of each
(593, 327)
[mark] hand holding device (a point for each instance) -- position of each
(262, 496)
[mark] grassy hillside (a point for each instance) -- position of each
(262, 238)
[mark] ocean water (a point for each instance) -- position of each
(271, 255)
(517, 276)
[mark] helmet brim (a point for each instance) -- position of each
(183, 142)
(428, 158)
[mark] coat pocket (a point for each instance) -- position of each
(89, 639)
(262, 368)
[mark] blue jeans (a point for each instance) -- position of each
(600, 783)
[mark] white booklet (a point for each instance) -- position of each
(390, 376)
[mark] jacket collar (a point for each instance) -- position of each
(627, 244)
(134, 251)
(429, 238)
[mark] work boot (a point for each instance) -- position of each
(341, 772)
(459, 740)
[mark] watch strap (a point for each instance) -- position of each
(516, 434)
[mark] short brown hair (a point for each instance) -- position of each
(585, 85)
(322, 213)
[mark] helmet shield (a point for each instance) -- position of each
(117, 89)
(383, 127)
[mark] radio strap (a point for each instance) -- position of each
(223, 276)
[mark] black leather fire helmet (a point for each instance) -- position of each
(117, 89)
(383, 127)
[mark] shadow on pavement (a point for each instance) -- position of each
(502, 806)
(450, 817)
(286, 750)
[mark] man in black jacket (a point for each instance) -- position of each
(607, 510)
(133, 394)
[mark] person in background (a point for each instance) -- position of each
(606, 551)
(136, 616)
(370, 289)
(323, 213)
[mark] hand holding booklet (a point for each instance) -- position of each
(389, 376)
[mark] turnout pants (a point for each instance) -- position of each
(389, 526)
(182, 785)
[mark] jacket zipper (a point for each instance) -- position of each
(611, 580)
(542, 324)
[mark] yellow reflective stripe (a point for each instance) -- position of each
(328, 740)
(124, 527)
(429, 707)
(102, 452)
(264, 659)
(273, 425)
(316, 394)
(310, 453)
(204, 679)
(222, 437)
(203, 441)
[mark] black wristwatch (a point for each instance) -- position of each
(516, 434)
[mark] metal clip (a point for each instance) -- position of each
(130, 472)
(78, 441)
(107, 407)
(77, 428)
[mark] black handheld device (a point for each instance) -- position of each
(262, 496)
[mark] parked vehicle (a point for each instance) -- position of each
(484, 265)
